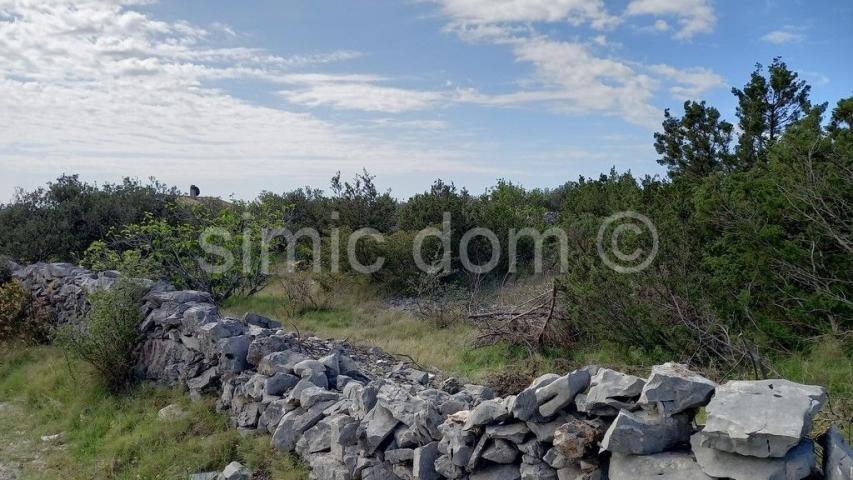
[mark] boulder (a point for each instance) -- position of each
(675, 389)
(170, 413)
(537, 471)
(545, 431)
(609, 392)
(579, 437)
(280, 362)
(646, 433)
(837, 455)
(294, 423)
(261, 321)
(263, 346)
(487, 413)
(525, 406)
(514, 432)
(375, 428)
(764, 418)
(423, 462)
(661, 466)
(558, 394)
(497, 472)
(500, 451)
(797, 464)
(235, 471)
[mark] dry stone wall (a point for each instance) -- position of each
(358, 413)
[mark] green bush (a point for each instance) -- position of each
(107, 336)
(21, 317)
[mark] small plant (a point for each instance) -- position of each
(107, 336)
(21, 317)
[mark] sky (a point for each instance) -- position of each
(241, 97)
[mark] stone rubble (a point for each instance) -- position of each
(356, 413)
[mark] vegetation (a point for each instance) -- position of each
(113, 437)
(753, 225)
(109, 333)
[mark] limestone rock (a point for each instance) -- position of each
(558, 394)
(837, 456)
(799, 463)
(675, 389)
(423, 461)
(486, 413)
(578, 437)
(763, 418)
(609, 392)
(661, 466)
(646, 433)
(235, 471)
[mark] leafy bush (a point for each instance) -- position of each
(197, 247)
(21, 317)
(107, 336)
(60, 221)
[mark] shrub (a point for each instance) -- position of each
(22, 318)
(107, 336)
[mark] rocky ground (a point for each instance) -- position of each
(21, 455)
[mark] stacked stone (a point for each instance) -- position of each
(355, 413)
(62, 287)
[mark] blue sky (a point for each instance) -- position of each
(240, 97)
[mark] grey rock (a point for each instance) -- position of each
(423, 462)
(537, 471)
(545, 431)
(497, 472)
(313, 395)
(280, 362)
(316, 439)
(260, 321)
(579, 437)
(235, 471)
(645, 433)
(313, 371)
(799, 463)
(609, 392)
(342, 434)
(233, 351)
(451, 385)
(514, 432)
(294, 423)
(263, 346)
(675, 389)
(446, 468)
(763, 418)
(207, 380)
(273, 413)
(375, 428)
(501, 451)
(328, 468)
(170, 413)
(280, 383)
(837, 455)
(399, 455)
(661, 466)
(525, 405)
(558, 394)
(486, 413)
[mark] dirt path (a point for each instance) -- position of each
(21, 455)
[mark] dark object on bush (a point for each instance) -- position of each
(194, 191)
(107, 337)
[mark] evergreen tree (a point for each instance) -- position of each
(766, 106)
(696, 144)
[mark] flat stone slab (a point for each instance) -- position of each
(764, 418)
(662, 466)
(674, 389)
(837, 456)
(799, 463)
(645, 433)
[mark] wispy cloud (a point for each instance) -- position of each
(97, 86)
(788, 34)
(693, 16)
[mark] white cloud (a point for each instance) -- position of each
(99, 88)
(693, 16)
(356, 92)
(509, 11)
(780, 37)
(692, 82)
(661, 25)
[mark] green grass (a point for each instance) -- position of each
(113, 437)
(364, 321)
